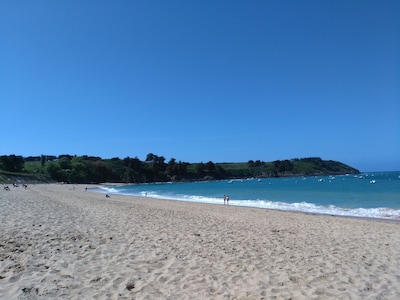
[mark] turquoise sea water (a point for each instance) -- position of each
(375, 195)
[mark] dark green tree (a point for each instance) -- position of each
(99, 171)
(12, 163)
(65, 162)
(56, 173)
(79, 170)
(42, 160)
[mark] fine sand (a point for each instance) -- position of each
(62, 242)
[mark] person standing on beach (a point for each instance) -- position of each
(227, 200)
(224, 199)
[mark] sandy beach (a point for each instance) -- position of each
(62, 242)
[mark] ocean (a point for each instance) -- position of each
(370, 195)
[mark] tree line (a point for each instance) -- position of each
(91, 169)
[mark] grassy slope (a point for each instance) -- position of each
(34, 172)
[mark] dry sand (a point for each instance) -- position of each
(60, 242)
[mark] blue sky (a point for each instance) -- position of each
(221, 81)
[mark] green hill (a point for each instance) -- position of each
(87, 169)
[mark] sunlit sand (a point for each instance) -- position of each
(62, 242)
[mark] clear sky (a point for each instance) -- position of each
(221, 81)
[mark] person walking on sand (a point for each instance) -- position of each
(224, 199)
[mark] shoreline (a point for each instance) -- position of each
(63, 242)
(106, 185)
(262, 208)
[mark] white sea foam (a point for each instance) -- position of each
(380, 213)
(107, 189)
(334, 195)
